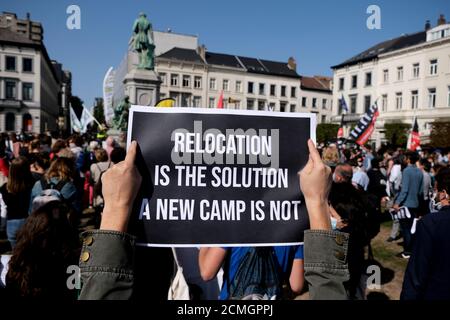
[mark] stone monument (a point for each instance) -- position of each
(142, 83)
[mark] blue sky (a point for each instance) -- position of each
(317, 33)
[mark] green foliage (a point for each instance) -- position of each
(99, 111)
(397, 133)
(326, 132)
(440, 134)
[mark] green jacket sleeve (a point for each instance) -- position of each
(326, 267)
(106, 265)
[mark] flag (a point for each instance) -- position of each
(86, 119)
(108, 91)
(366, 125)
(166, 103)
(343, 104)
(220, 102)
(74, 121)
(414, 137)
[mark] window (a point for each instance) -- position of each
(10, 63)
(367, 101)
(433, 66)
(197, 82)
(400, 73)
(283, 91)
(304, 102)
(174, 80)
(27, 91)
(186, 81)
(448, 98)
(416, 70)
(212, 84)
(368, 79)
(273, 89)
(250, 87)
(314, 103)
(354, 81)
(385, 76)
(250, 104)
(10, 89)
(282, 106)
(353, 101)
(341, 84)
(293, 106)
(324, 104)
(293, 92)
(238, 86)
(10, 122)
(197, 101)
(398, 100)
(384, 102)
(163, 77)
(212, 102)
(27, 65)
(226, 85)
(414, 99)
(432, 97)
(262, 89)
(261, 105)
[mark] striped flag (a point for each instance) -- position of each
(366, 125)
(414, 137)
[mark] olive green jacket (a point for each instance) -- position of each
(107, 264)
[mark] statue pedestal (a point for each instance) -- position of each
(119, 136)
(142, 86)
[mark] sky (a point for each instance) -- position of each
(318, 34)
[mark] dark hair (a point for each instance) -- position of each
(20, 178)
(413, 157)
(118, 154)
(425, 164)
(47, 244)
(443, 179)
(58, 146)
(40, 159)
(375, 163)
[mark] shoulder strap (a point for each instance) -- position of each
(44, 183)
(60, 185)
(175, 257)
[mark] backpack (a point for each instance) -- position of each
(46, 185)
(257, 277)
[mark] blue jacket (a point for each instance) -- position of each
(412, 187)
(427, 275)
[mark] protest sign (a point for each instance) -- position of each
(219, 177)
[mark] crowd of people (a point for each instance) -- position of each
(52, 190)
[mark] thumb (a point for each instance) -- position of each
(131, 154)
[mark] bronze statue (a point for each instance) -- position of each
(120, 120)
(143, 42)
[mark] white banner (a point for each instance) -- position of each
(108, 86)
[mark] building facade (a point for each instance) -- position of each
(32, 92)
(195, 77)
(408, 76)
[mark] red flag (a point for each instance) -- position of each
(415, 137)
(220, 102)
(340, 133)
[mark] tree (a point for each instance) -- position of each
(326, 132)
(440, 134)
(99, 111)
(397, 133)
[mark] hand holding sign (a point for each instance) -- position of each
(120, 185)
(315, 183)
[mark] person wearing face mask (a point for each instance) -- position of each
(427, 275)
